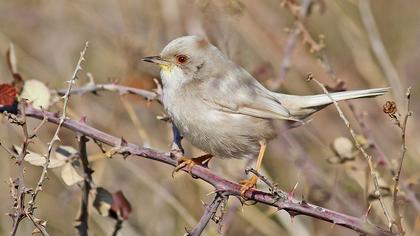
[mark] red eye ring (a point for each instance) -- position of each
(181, 59)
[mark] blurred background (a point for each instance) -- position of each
(48, 36)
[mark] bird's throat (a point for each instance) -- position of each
(166, 68)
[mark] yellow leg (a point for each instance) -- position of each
(190, 162)
(249, 183)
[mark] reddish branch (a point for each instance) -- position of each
(291, 205)
(209, 213)
(93, 88)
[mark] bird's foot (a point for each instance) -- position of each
(248, 184)
(189, 163)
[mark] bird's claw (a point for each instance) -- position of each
(189, 163)
(184, 162)
(248, 184)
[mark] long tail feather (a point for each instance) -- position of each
(300, 107)
(324, 99)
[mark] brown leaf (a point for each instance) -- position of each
(120, 205)
(113, 205)
(7, 94)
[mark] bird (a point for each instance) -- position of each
(222, 109)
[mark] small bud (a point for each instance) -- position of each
(390, 108)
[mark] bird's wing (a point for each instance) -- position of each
(238, 92)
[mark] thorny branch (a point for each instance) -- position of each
(82, 220)
(91, 87)
(18, 188)
(291, 205)
(277, 193)
(209, 213)
(373, 172)
(55, 138)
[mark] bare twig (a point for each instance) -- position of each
(291, 43)
(372, 170)
(82, 220)
(18, 183)
(403, 127)
(379, 50)
(290, 205)
(55, 138)
(92, 88)
(209, 213)
(117, 227)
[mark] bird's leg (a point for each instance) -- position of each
(249, 183)
(190, 162)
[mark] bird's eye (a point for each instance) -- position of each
(181, 59)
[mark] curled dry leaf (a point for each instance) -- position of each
(61, 157)
(120, 205)
(70, 175)
(36, 92)
(114, 205)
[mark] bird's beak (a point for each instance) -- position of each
(163, 64)
(155, 59)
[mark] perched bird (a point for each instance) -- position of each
(221, 109)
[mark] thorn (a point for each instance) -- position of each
(291, 194)
(83, 119)
(123, 142)
(365, 216)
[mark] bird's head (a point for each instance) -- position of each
(187, 58)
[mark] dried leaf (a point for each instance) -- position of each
(37, 159)
(12, 64)
(7, 95)
(343, 147)
(120, 205)
(65, 152)
(36, 92)
(103, 201)
(114, 205)
(70, 175)
(11, 59)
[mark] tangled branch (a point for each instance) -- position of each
(359, 146)
(291, 205)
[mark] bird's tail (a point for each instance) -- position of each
(324, 99)
(300, 107)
